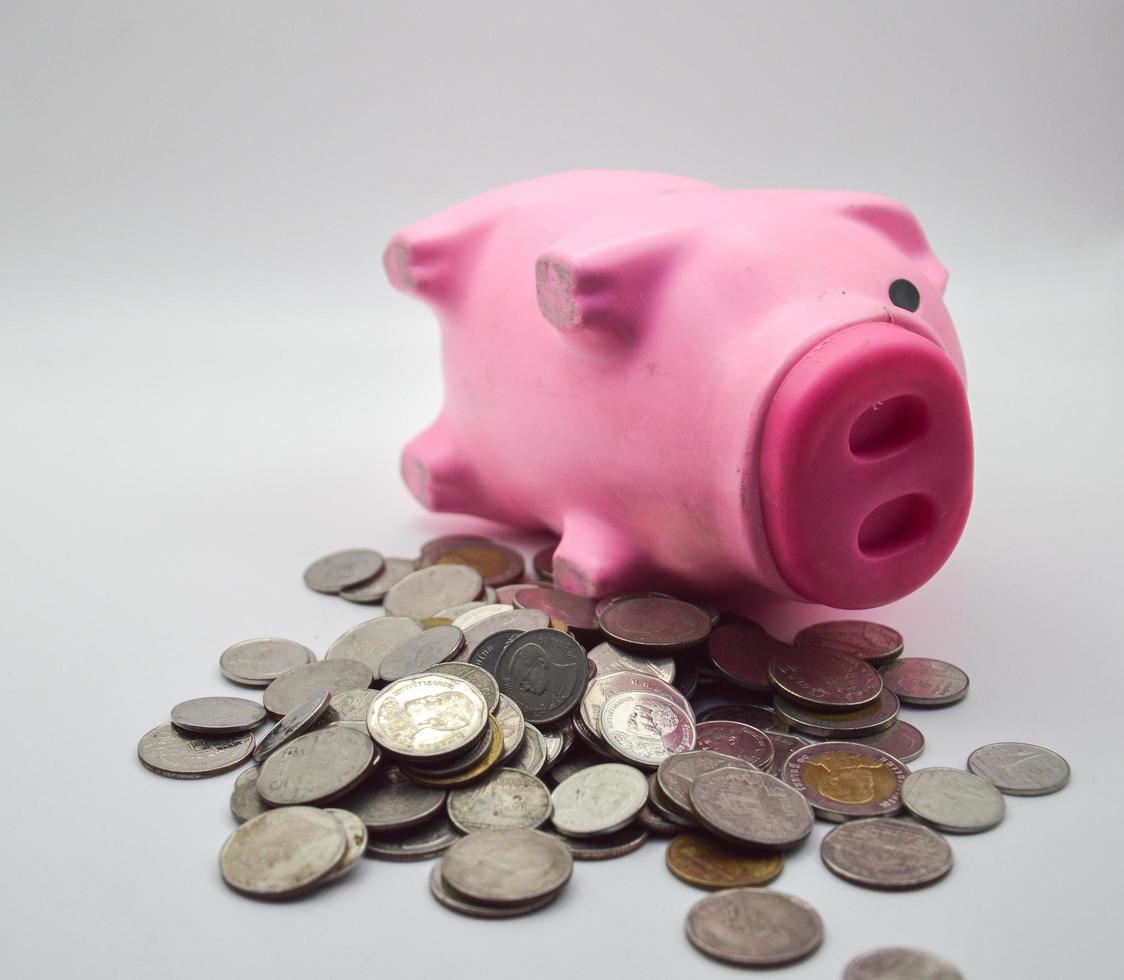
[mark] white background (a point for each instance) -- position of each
(206, 381)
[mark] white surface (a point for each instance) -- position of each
(206, 381)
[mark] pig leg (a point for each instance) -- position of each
(438, 475)
(594, 560)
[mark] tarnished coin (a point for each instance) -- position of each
(440, 890)
(245, 803)
(751, 808)
(389, 802)
(953, 800)
(342, 569)
(478, 677)
(167, 751)
(871, 720)
(374, 590)
(754, 927)
(602, 688)
(217, 716)
(842, 780)
(872, 642)
(283, 853)
(733, 738)
(756, 715)
(1020, 769)
(506, 867)
(522, 620)
(315, 767)
(542, 561)
(506, 593)
(883, 853)
(428, 716)
(371, 641)
(349, 706)
(417, 654)
(296, 686)
(295, 723)
(576, 611)
(483, 764)
(502, 800)
(439, 545)
(356, 835)
(646, 729)
(742, 651)
(255, 663)
(900, 964)
(607, 846)
(512, 725)
(424, 592)
(925, 682)
(497, 563)
(783, 746)
(901, 740)
(599, 800)
(658, 802)
(654, 623)
(603, 605)
(824, 680)
(544, 672)
(610, 659)
(531, 756)
(418, 844)
(703, 861)
(677, 774)
(486, 654)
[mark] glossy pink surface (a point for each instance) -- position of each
(694, 387)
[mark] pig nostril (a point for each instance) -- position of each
(896, 525)
(888, 426)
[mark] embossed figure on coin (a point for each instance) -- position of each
(848, 778)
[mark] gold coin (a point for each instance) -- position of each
(706, 862)
(428, 624)
(485, 765)
(849, 777)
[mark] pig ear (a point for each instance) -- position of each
(433, 259)
(600, 279)
(897, 223)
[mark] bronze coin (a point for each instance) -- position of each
(706, 862)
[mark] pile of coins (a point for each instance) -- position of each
(509, 728)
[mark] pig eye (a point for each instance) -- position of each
(904, 294)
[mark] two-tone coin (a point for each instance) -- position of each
(843, 781)
(497, 563)
(1020, 769)
(886, 853)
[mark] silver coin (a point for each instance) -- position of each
(478, 677)
(871, 720)
(524, 620)
(417, 654)
(599, 800)
(608, 846)
(428, 716)
(734, 738)
(824, 680)
(844, 781)
(295, 723)
(375, 589)
(245, 803)
(423, 770)
(349, 706)
(881, 852)
(457, 903)
(531, 756)
(610, 659)
(953, 800)
(356, 835)
(452, 612)
(925, 682)
(756, 715)
(417, 844)
(423, 593)
(1020, 769)
(315, 767)
(342, 569)
(255, 663)
(581, 757)
(677, 774)
(468, 619)
(167, 751)
(557, 741)
(283, 853)
(217, 715)
(503, 800)
(783, 747)
(901, 740)
(389, 802)
(646, 729)
(602, 688)
(751, 808)
(506, 867)
(663, 809)
(653, 820)
(754, 927)
(299, 684)
(653, 623)
(371, 641)
(872, 642)
(900, 964)
(512, 724)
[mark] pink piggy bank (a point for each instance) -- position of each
(725, 392)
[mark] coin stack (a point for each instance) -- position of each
(430, 731)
